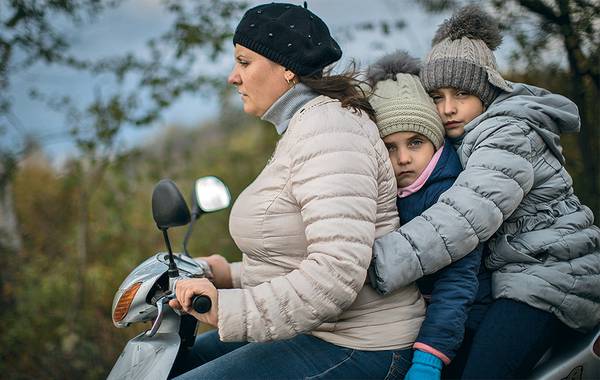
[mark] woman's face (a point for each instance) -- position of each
(259, 81)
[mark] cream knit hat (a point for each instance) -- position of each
(399, 100)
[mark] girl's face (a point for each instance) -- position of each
(259, 81)
(410, 153)
(456, 108)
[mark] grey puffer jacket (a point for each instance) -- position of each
(545, 251)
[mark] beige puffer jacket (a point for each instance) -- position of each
(306, 228)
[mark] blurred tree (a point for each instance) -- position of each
(10, 239)
(67, 327)
(30, 35)
(548, 32)
(33, 33)
(61, 224)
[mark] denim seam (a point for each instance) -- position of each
(392, 368)
(393, 371)
(331, 368)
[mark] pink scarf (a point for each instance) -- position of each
(419, 182)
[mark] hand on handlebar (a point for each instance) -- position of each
(220, 270)
(187, 289)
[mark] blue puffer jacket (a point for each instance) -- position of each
(452, 289)
(546, 250)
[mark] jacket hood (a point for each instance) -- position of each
(547, 113)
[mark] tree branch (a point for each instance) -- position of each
(538, 7)
(594, 7)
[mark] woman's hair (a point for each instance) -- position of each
(345, 87)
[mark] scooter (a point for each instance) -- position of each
(144, 297)
(145, 294)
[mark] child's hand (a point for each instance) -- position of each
(425, 366)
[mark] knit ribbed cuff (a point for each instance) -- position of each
(426, 348)
(427, 359)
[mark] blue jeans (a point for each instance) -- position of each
(302, 357)
(508, 341)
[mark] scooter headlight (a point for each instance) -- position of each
(125, 302)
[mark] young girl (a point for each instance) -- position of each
(545, 251)
(425, 167)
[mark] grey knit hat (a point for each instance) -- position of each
(399, 100)
(462, 55)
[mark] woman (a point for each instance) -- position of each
(306, 225)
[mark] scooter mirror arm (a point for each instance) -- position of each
(195, 216)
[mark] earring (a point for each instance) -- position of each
(292, 82)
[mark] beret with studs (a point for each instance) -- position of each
(289, 35)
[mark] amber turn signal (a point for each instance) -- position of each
(125, 302)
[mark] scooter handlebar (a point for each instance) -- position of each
(201, 304)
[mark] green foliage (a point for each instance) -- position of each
(56, 320)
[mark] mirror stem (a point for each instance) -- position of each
(188, 233)
(173, 272)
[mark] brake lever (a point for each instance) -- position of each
(160, 304)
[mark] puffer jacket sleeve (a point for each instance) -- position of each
(236, 274)
(497, 175)
(454, 291)
(334, 182)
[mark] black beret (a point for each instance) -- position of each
(289, 35)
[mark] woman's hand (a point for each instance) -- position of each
(220, 270)
(186, 290)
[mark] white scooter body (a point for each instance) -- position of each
(147, 358)
(575, 358)
(145, 294)
(151, 355)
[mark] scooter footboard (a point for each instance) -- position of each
(575, 358)
(147, 358)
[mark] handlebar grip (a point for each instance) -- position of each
(201, 304)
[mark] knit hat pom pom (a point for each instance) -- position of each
(471, 22)
(399, 62)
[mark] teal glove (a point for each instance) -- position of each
(425, 366)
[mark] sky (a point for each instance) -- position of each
(128, 27)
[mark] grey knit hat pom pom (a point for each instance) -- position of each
(386, 67)
(471, 22)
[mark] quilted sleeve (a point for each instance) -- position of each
(496, 177)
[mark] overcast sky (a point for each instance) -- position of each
(128, 27)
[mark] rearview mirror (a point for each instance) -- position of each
(211, 194)
(168, 206)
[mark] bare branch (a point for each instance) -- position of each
(538, 7)
(593, 6)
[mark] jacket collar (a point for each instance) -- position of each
(280, 113)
